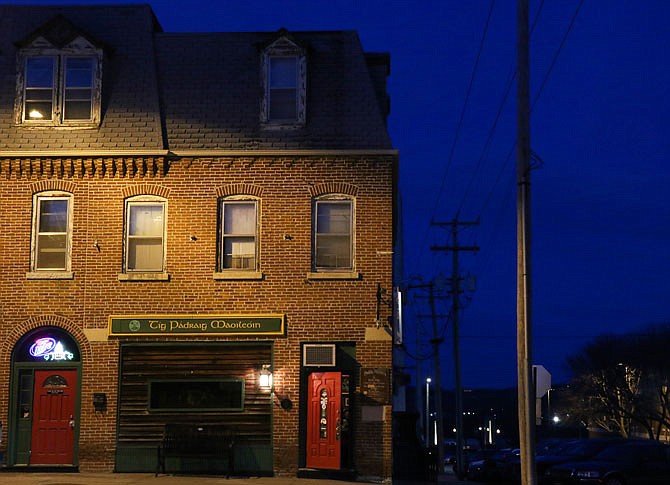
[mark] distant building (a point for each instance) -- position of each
(195, 231)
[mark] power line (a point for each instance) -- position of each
(492, 130)
(460, 123)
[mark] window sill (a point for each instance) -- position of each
(64, 125)
(50, 275)
(334, 275)
(282, 125)
(239, 275)
(140, 276)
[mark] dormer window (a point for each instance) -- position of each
(283, 88)
(59, 89)
(59, 77)
(284, 70)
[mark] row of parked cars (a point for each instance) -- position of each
(602, 461)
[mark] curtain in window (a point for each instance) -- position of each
(239, 235)
(145, 238)
(333, 234)
(52, 234)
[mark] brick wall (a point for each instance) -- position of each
(316, 310)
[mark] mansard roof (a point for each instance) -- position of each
(193, 91)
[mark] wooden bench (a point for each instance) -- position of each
(197, 441)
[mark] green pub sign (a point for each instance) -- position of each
(223, 325)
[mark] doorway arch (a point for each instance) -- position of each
(45, 391)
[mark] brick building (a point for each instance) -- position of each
(197, 235)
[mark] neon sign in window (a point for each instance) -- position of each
(50, 349)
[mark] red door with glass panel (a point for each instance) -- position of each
(324, 420)
(52, 441)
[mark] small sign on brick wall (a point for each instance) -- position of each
(376, 384)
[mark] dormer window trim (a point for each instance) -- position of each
(68, 84)
(284, 79)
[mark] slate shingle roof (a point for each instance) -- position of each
(207, 87)
(130, 109)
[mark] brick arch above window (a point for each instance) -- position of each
(146, 189)
(53, 185)
(239, 189)
(46, 321)
(333, 188)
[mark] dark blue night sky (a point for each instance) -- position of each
(600, 130)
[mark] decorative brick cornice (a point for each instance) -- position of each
(333, 188)
(78, 167)
(53, 184)
(20, 329)
(146, 189)
(239, 189)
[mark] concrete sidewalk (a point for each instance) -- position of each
(36, 478)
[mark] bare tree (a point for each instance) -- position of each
(621, 383)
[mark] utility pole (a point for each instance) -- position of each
(455, 306)
(435, 342)
(526, 388)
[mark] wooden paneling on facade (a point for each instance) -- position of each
(140, 364)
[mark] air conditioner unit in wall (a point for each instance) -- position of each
(318, 355)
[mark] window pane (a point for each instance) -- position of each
(39, 94)
(239, 253)
(78, 93)
(185, 395)
(146, 220)
(333, 218)
(283, 72)
(51, 251)
(78, 72)
(145, 254)
(53, 215)
(333, 251)
(333, 243)
(38, 111)
(239, 218)
(77, 110)
(40, 72)
(283, 104)
(145, 237)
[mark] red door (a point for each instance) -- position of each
(54, 395)
(323, 420)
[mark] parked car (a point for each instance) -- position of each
(571, 451)
(643, 462)
(487, 465)
(511, 472)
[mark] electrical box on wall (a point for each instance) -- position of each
(100, 401)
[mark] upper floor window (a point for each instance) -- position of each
(239, 230)
(284, 84)
(333, 234)
(145, 234)
(52, 232)
(60, 89)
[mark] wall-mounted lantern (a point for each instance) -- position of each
(265, 377)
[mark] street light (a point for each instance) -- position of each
(428, 381)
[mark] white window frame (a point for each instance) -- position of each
(284, 48)
(80, 49)
(143, 273)
(333, 199)
(223, 236)
(38, 272)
